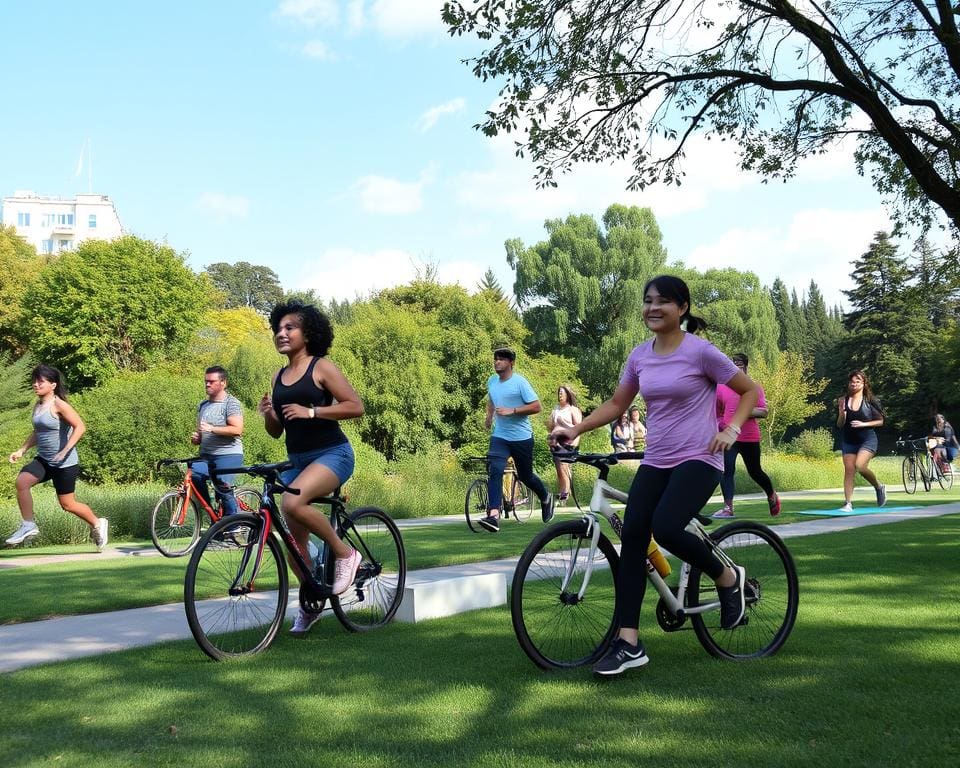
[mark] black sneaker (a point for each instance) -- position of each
(546, 510)
(491, 523)
(620, 657)
(732, 600)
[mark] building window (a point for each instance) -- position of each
(23, 219)
(64, 245)
(92, 221)
(48, 246)
(65, 219)
(48, 220)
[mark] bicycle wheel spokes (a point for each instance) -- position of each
(522, 500)
(475, 506)
(248, 499)
(554, 625)
(909, 470)
(233, 607)
(772, 594)
(378, 589)
(173, 529)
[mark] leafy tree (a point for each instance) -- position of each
(222, 332)
(19, 267)
(580, 290)
(112, 306)
(791, 391)
(889, 331)
(740, 316)
(246, 285)
(610, 79)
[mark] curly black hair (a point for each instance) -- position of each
(316, 326)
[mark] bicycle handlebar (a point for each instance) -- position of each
(269, 472)
(168, 462)
(572, 455)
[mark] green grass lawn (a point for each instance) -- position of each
(868, 678)
(96, 585)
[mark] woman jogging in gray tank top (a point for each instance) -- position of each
(56, 430)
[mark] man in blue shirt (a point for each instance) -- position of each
(510, 403)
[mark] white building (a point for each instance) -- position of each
(54, 224)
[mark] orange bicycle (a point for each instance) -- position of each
(177, 520)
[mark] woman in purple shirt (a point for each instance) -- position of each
(677, 375)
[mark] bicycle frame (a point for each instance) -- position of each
(600, 504)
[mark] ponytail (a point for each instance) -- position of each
(694, 324)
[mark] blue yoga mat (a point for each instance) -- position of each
(856, 511)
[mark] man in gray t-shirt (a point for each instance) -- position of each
(219, 427)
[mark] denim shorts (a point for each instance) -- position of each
(869, 443)
(338, 459)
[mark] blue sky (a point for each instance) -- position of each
(332, 140)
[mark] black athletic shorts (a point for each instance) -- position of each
(64, 478)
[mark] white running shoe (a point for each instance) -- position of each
(27, 530)
(345, 571)
(99, 533)
(848, 507)
(304, 622)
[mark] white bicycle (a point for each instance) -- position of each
(564, 588)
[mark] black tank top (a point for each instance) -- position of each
(304, 435)
(853, 434)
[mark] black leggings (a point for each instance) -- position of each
(751, 460)
(662, 501)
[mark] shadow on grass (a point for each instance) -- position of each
(867, 678)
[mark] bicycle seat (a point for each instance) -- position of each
(328, 498)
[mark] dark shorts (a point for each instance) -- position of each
(868, 443)
(64, 478)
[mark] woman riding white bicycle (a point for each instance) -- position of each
(677, 375)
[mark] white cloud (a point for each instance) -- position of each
(817, 244)
(310, 13)
(224, 206)
(407, 18)
(380, 194)
(319, 50)
(343, 273)
(429, 118)
(356, 18)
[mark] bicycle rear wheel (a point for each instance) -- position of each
(248, 499)
(909, 475)
(376, 593)
(522, 500)
(234, 608)
(476, 506)
(173, 529)
(772, 594)
(555, 625)
(944, 475)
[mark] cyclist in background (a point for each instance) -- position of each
(310, 397)
(677, 375)
(219, 427)
(946, 446)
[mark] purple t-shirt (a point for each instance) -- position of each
(680, 390)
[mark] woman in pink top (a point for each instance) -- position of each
(677, 375)
(747, 445)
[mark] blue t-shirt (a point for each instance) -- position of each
(515, 392)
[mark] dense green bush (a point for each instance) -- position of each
(813, 443)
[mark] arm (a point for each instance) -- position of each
(842, 414)
(749, 393)
(233, 427)
(878, 422)
(27, 445)
(65, 411)
(490, 411)
(527, 409)
(271, 423)
(347, 403)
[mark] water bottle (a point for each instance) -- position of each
(656, 558)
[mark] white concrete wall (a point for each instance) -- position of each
(44, 227)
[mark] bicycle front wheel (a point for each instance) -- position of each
(475, 506)
(234, 608)
(561, 618)
(375, 595)
(522, 499)
(248, 499)
(772, 594)
(909, 475)
(174, 529)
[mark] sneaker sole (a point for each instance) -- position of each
(741, 579)
(28, 535)
(628, 664)
(489, 527)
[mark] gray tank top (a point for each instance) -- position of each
(52, 435)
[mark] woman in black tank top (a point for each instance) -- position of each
(858, 415)
(310, 396)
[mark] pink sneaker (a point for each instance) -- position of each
(725, 512)
(774, 502)
(345, 571)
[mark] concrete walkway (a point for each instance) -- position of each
(52, 640)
